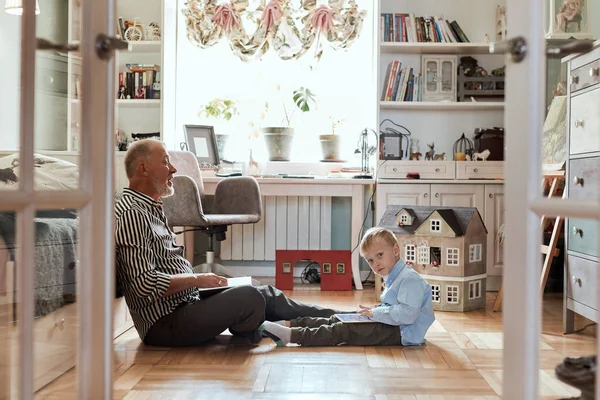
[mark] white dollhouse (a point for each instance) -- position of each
(447, 246)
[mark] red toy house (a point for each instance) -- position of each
(336, 268)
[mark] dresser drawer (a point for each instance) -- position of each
(585, 76)
(425, 169)
(581, 281)
(480, 170)
(583, 236)
(583, 178)
(584, 123)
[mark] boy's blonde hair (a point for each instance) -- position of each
(376, 234)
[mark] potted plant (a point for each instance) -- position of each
(279, 138)
(216, 109)
(330, 143)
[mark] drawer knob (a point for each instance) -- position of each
(476, 170)
(594, 72)
(578, 123)
(577, 231)
(575, 79)
(491, 196)
(576, 280)
(437, 195)
(60, 324)
(424, 194)
(395, 169)
(437, 170)
(578, 181)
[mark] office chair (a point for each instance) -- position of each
(237, 200)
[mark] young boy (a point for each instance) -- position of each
(402, 318)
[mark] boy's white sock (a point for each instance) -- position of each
(280, 334)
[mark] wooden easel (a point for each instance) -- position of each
(550, 251)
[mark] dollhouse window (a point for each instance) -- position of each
(474, 253)
(435, 256)
(435, 293)
(452, 256)
(452, 294)
(474, 290)
(423, 254)
(435, 225)
(404, 219)
(409, 253)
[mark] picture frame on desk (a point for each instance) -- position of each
(201, 140)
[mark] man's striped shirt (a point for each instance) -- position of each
(146, 257)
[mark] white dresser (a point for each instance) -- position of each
(583, 170)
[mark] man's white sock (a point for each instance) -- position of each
(280, 334)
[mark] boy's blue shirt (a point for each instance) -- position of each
(406, 302)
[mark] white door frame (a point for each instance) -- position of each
(524, 204)
(94, 198)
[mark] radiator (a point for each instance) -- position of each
(287, 223)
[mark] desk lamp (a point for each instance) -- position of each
(366, 151)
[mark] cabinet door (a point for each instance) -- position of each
(458, 196)
(493, 219)
(401, 194)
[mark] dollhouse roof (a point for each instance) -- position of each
(409, 211)
(457, 218)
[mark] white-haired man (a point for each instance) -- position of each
(160, 287)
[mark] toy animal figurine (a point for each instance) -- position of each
(415, 156)
(481, 156)
(467, 157)
(439, 156)
(431, 152)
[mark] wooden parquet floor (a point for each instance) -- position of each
(462, 360)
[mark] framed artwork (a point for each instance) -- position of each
(340, 268)
(287, 268)
(554, 136)
(202, 142)
(326, 268)
(568, 19)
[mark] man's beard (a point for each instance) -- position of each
(163, 188)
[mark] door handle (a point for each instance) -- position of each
(44, 44)
(106, 45)
(575, 46)
(517, 48)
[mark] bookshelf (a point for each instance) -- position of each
(442, 182)
(131, 115)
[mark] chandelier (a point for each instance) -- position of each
(289, 30)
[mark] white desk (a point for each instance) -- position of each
(333, 187)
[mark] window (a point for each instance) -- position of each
(423, 254)
(474, 253)
(435, 225)
(404, 218)
(252, 84)
(435, 256)
(452, 294)
(452, 256)
(409, 253)
(474, 290)
(435, 293)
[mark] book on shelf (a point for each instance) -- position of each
(139, 83)
(408, 28)
(402, 84)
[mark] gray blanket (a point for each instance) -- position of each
(55, 257)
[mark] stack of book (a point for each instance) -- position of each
(408, 28)
(142, 81)
(402, 84)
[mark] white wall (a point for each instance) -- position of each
(10, 51)
(341, 80)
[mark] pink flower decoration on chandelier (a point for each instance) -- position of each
(272, 13)
(322, 18)
(225, 17)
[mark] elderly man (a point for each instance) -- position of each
(160, 287)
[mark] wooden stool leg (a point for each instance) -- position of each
(498, 301)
